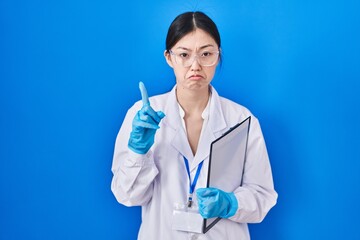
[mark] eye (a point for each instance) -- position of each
(184, 55)
(206, 54)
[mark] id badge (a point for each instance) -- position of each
(187, 219)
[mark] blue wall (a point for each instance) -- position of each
(69, 70)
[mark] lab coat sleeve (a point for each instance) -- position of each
(133, 174)
(256, 196)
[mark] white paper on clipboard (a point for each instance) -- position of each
(226, 162)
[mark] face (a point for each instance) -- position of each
(195, 76)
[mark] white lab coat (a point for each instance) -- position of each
(159, 179)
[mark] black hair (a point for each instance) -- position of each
(188, 22)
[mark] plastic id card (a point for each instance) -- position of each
(186, 219)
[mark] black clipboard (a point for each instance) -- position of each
(226, 162)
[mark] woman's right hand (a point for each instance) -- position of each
(144, 125)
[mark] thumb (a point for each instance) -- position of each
(160, 114)
(202, 192)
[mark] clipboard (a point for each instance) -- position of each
(226, 162)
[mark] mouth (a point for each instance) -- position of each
(196, 77)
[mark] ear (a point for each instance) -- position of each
(219, 58)
(168, 58)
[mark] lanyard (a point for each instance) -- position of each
(192, 184)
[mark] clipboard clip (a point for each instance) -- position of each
(230, 129)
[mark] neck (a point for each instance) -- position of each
(193, 101)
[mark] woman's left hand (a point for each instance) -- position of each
(214, 202)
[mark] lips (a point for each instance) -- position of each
(196, 77)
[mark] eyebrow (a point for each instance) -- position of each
(202, 47)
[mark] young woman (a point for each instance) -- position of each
(162, 149)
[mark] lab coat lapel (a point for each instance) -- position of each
(203, 149)
(180, 142)
(213, 130)
(178, 138)
(215, 126)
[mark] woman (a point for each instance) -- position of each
(161, 157)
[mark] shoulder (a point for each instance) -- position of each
(231, 108)
(235, 113)
(230, 105)
(159, 100)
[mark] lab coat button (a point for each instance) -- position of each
(194, 237)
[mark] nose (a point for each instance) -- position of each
(195, 65)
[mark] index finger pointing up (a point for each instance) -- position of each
(144, 95)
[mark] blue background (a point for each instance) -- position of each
(69, 70)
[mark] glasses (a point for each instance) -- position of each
(204, 58)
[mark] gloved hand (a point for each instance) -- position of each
(214, 202)
(144, 125)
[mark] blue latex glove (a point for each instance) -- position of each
(214, 202)
(144, 125)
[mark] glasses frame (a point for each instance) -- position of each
(196, 57)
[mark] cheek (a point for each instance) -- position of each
(210, 73)
(179, 73)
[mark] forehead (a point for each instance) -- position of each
(195, 40)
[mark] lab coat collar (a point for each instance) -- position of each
(179, 140)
